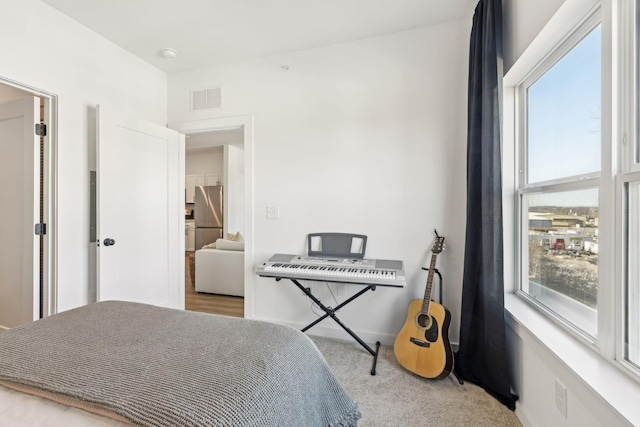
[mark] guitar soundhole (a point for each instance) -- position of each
(424, 320)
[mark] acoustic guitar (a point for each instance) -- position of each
(422, 346)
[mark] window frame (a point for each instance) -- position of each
(626, 94)
(622, 229)
(569, 183)
(620, 165)
(629, 36)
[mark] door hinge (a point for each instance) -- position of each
(41, 229)
(41, 129)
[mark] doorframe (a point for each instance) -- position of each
(246, 123)
(49, 257)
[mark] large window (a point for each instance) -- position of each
(560, 162)
(577, 127)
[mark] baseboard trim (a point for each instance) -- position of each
(523, 416)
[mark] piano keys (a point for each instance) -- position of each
(345, 270)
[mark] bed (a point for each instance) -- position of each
(129, 363)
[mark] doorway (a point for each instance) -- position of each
(214, 159)
(235, 135)
(27, 149)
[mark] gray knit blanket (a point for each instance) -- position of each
(164, 367)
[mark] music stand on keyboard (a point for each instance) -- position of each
(340, 245)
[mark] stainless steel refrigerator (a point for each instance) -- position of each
(208, 214)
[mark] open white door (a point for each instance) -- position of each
(19, 212)
(140, 205)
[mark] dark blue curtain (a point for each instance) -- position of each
(482, 356)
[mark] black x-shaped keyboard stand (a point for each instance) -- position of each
(331, 312)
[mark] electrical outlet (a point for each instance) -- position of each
(273, 212)
(561, 398)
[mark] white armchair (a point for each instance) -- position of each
(220, 271)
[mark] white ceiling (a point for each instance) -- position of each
(213, 32)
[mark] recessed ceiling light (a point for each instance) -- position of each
(168, 52)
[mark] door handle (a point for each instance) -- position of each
(109, 242)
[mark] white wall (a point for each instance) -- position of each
(46, 50)
(522, 21)
(208, 161)
(366, 137)
(542, 354)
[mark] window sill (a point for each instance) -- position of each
(599, 377)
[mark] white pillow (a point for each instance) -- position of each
(229, 245)
(237, 237)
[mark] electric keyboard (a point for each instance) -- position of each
(346, 270)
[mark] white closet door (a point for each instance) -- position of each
(19, 212)
(140, 205)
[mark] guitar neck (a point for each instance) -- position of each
(427, 291)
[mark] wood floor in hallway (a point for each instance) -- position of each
(209, 303)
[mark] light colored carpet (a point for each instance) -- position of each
(397, 397)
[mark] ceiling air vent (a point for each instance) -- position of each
(206, 99)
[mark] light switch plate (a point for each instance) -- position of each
(273, 212)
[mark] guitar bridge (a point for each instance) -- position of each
(420, 342)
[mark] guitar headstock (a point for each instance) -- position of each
(438, 244)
